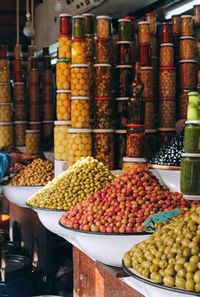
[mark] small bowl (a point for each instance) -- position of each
(19, 194)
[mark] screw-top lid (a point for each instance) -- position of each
(150, 131)
(88, 15)
(123, 42)
(167, 129)
(187, 61)
(103, 17)
(191, 155)
(35, 123)
(6, 103)
(121, 98)
(139, 160)
(64, 15)
(146, 68)
(102, 65)
(124, 66)
(32, 131)
(79, 65)
(143, 23)
(18, 83)
(124, 20)
(20, 122)
(63, 91)
(47, 122)
(120, 131)
(195, 122)
(6, 123)
(80, 98)
(77, 130)
(187, 37)
(103, 130)
(186, 16)
(67, 123)
(78, 17)
(167, 44)
(193, 94)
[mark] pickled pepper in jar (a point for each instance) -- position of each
(186, 25)
(104, 50)
(65, 24)
(102, 80)
(143, 33)
(124, 78)
(122, 111)
(103, 113)
(104, 29)
(124, 52)
(166, 33)
(135, 141)
(124, 31)
(78, 26)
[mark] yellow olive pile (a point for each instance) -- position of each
(171, 256)
(85, 177)
(38, 173)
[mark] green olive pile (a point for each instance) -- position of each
(171, 256)
(85, 177)
(38, 173)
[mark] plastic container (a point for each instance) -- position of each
(5, 95)
(103, 113)
(166, 55)
(135, 141)
(5, 112)
(104, 49)
(187, 48)
(104, 29)
(80, 112)
(166, 33)
(63, 74)
(79, 80)
(124, 52)
(78, 26)
(183, 104)
(20, 132)
(78, 51)
(149, 116)
(188, 74)
(120, 147)
(6, 134)
(64, 47)
(143, 32)
(20, 113)
(124, 79)
(124, 29)
(186, 25)
(103, 146)
(167, 82)
(151, 19)
(130, 163)
(122, 112)
(147, 79)
(19, 92)
(192, 137)
(65, 24)
(61, 140)
(151, 143)
(79, 144)
(103, 80)
(167, 112)
(63, 105)
(32, 142)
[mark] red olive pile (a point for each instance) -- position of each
(123, 205)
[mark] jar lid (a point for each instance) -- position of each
(187, 37)
(190, 155)
(124, 20)
(63, 91)
(88, 14)
(64, 15)
(122, 98)
(77, 130)
(6, 123)
(154, 58)
(102, 65)
(33, 123)
(187, 61)
(123, 42)
(185, 91)
(167, 99)
(193, 94)
(63, 60)
(103, 17)
(6, 103)
(167, 44)
(20, 122)
(129, 17)
(32, 131)
(124, 66)
(150, 131)
(120, 131)
(79, 65)
(150, 14)
(78, 17)
(62, 123)
(18, 83)
(143, 23)
(167, 68)
(102, 130)
(47, 122)
(186, 16)
(167, 129)
(146, 68)
(139, 160)
(195, 122)
(80, 98)
(136, 125)
(4, 83)
(103, 98)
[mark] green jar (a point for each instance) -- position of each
(78, 28)
(192, 137)
(190, 174)
(193, 112)
(124, 30)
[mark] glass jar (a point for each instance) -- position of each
(34, 93)
(145, 54)
(34, 113)
(124, 29)
(155, 63)
(151, 19)
(166, 55)
(167, 82)
(64, 47)
(176, 25)
(165, 135)
(6, 134)
(4, 75)
(61, 140)
(65, 24)
(78, 51)
(192, 137)
(193, 112)
(20, 133)
(135, 141)
(80, 112)
(63, 74)
(63, 105)
(89, 23)
(48, 93)
(79, 144)
(147, 79)
(48, 112)
(133, 26)
(122, 112)
(149, 115)
(3, 63)
(186, 25)
(18, 51)
(20, 112)
(103, 50)
(79, 80)
(131, 163)
(35, 126)
(5, 112)
(124, 52)
(103, 113)
(78, 26)
(190, 174)
(120, 147)
(103, 80)
(183, 104)
(90, 47)
(124, 79)
(143, 33)
(104, 29)
(196, 15)
(187, 48)
(19, 92)
(167, 112)
(32, 142)
(151, 143)
(5, 95)
(166, 33)
(153, 45)
(47, 130)
(103, 146)
(188, 74)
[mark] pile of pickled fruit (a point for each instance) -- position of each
(171, 256)
(123, 205)
(85, 177)
(38, 173)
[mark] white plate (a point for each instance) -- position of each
(171, 179)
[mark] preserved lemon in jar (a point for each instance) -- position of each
(64, 47)
(78, 51)
(61, 140)
(63, 105)
(80, 80)
(6, 134)
(80, 112)
(32, 142)
(63, 74)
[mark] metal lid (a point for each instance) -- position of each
(124, 66)
(150, 131)
(167, 44)
(75, 130)
(186, 16)
(121, 98)
(78, 17)
(190, 155)
(63, 91)
(102, 65)
(187, 37)
(143, 22)
(32, 131)
(6, 123)
(64, 15)
(103, 17)
(193, 94)
(124, 20)
(6, 103)
(187, 61)
(167, 129)
(146, 68)
(80, 98)
(62, 123)
(102, 130)
(120, 131)
(123, 42)
(20, 122)
(139, 160)
(88, 14)
(79, 65)
(195, 122)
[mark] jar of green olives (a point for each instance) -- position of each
(192, 137)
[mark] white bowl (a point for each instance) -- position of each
(19, 194)
(171, 179)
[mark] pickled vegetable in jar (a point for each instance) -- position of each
(5, 112)
(124, 30)
(122, 111)
(80, 112)
(79, 80)
(143, 32)
(124, 78)
(120, 147)
(78, 51)
(63, 74)
(166, 33)
(90, 47)
(104, 29)
(192, 137)
(89, 23)
(63, 105)
(103, 146)
(166, 55)
(196, 15)
(20, 133)
(35, 113)
(135, 141)
(130, 163)
(147, 79)
(188, 74)
(186, 25)
(102, 80)
(124, 52)
(193, 112)
(79, 144)
(48, 112)
(190, 174)
(167, 112)
(183, 104)
(104, 50)
(151, 143)
(167, 82)
(20, 112)
(65, 24)
(149, 115)
(64, 47)
(103, 113)
(151, 19)
(5, 95)
(32, 142)
(19, 92)
(6, 134)
(187, 48)
(4, 75)
(61, 140)
(176, 25)
(145, 54)
(78, 26)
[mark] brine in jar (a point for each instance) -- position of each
(104, 29)
(80, 112)
(103, 113)
(63, 105)
(135, 141)
(78, 51)
(79, 80)
(61, 140)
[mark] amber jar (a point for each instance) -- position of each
(124, 52)
(147, 79)
(187, 48)
(103, 50)
(124, 79)
(151, 19)
(124, 30)
(103, 146)
(166, 55)
(186, 25)
(197, 15)
(176, 25)
(48, 112)
(6, 112)
(143, 33)
(135, 141)
(32, 142)
(48, 95)
(121, 112)
(166, 33)
(34, 93)
(188, 74)
(183, 104)
(19, 92)
(167, 82)
(65, 24)
(4, 75)
(145, 54)
(20, 133)
(103, 113)
(165, 135)
(5, 93)
(167, 112)
(120, 147)
(102, 80)
(149, 114)
(20, 112)
(90, 46)
(104, 29)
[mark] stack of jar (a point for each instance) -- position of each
(103, 132)
(20, 115)
(190, 163)
(6, 125)
(187, 64)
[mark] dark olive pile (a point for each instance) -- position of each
(170, 154)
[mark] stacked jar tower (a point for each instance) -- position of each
(6, 125)
(103, 132)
